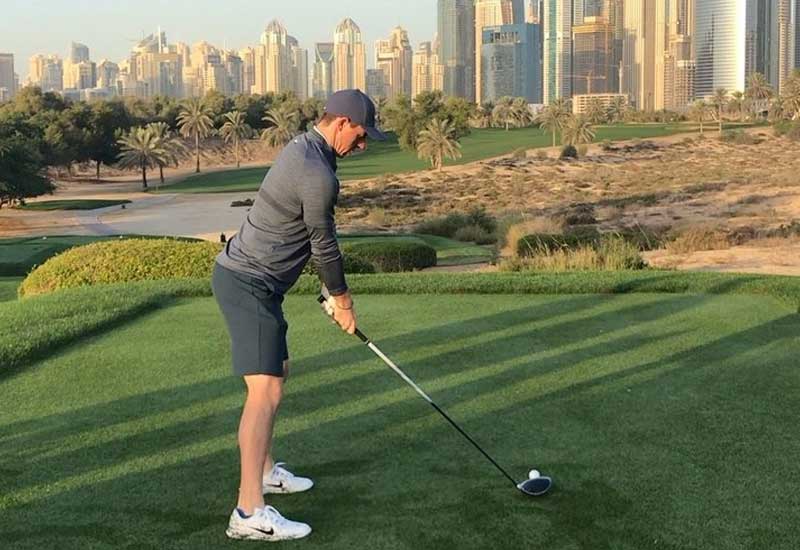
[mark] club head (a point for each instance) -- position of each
(536, 487)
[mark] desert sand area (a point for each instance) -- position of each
(663, 183)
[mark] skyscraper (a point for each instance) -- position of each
(248, 57)
(157, 67)
(488, 13)
(557, 25)
(788, 40)
(510, 62)
(8, 87)
(456, 51)
(273, 63)
(376, 83)
(679, 65)
(47, 72)
(732, 40)
(322, 86)
(394, 57)
(643, 53)
(349, 57)
(593, 56)
(78, 53)
(107, 74)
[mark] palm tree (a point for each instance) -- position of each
(173, 148)
(482, 116)
(616, 109)
(553, 117)
(195, 121)
(737, 103)
(522, 112)
(235, 129)
(578, 131)
(777, 108)
(791, 94)
(699, 111)
(380, 104)
(438, 141)
(283, 126)
(141, 148)
(595, 111)
(503, 112)
(719, 100)
(758, 91)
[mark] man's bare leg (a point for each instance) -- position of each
(269, 462)
(264, 394)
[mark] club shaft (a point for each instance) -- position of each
(411, 383)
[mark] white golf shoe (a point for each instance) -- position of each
(282, 481)
(265, 524)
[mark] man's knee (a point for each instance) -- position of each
(264, 388)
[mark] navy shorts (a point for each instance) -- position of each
(255, 322)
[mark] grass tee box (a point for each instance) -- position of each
(86, 204)
(387, 157)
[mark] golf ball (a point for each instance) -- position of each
(533, 474)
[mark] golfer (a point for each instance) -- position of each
(291, 220)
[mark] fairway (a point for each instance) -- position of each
(82, 204)
(387, 157)
(667, 421)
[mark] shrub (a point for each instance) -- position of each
(543, 243)
(475, 234)
(352, 264)
(698, 239)
(739, 137)
(393, 256)
(519, 154)
(608, 253)
(569, 152)
(122, 261)
(447, 226)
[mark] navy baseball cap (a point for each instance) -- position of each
(358, 107)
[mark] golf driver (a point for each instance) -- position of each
(536, 485)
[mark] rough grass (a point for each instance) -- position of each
(698, 238)
(79, 204)
(8, 288)
(664, 420)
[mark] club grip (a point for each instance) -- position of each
(361, 335)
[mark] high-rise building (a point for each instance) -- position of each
(107, 74)
(532, 11)
(157, 66)
(298, 61)
(488, 13)
(394, 57)
(510, 62)
(788, 40)
(557, 31)
(349, 57)
(679, 65)
(273, 60)
(248, 57)
(456, 50)
(427, 73)
(733, 39)
(593, 64)
(643, 53)
(376, 83)
(322, 85)
(47, 72)
(8, 84)
(78, 53)
(586, 8)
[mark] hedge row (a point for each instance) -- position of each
(392, 256)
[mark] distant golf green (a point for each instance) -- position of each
(388, 158)
(667, 421)
(81, 204)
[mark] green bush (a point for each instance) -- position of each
(392, 256)
(543, 243)
(739, 137)
(475, 234)
(122, 261)
(569, 152)
(352, 264)
(447, 226)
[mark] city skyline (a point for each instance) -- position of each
(20, 28)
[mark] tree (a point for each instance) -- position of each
(553, 117)
(22, 170)
(283, 127)
(791, 95)
(777, 109)
(235, 129)
(522, 112)
(595, 112)
(108, 119)
(578, 131)
(758, 91)
(482, 116)
(173, 148)
(141, 149)
(617, 109)
(719, 100)
(380, 104)
(699, 111)
(737, 104)
(503, 113)
(195, 122)
(436, 142)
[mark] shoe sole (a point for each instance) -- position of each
(270, 490)
(245, 535)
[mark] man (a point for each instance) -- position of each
(291, 220)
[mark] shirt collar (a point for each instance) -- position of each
(316, 136)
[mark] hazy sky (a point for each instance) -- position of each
(110, 27)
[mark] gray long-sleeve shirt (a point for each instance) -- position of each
(292, 220)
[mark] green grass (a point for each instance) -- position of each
(8, 288)
(668, 422)
(388, 158)
(82, 204)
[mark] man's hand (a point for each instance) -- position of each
(341, 310)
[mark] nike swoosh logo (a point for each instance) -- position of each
(270, 532)
(279, 485)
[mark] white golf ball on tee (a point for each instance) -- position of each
(533, 474)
